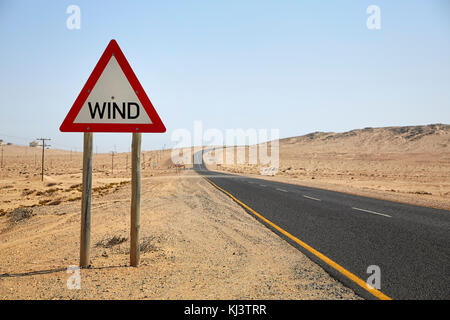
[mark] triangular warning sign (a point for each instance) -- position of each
(112, 100)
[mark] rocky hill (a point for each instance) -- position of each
(425, 138)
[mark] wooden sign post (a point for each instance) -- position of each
(112, 100)
(135, 199)
(86, 197)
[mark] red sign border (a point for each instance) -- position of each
(68, 124)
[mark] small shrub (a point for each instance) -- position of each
(19, 214)
(108, 243)
(54, 203)
(147, 245)
(27, 192)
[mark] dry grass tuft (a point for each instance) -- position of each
(20, 214)
(111, 242)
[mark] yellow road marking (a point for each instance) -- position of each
(380, 295)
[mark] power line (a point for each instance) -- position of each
(31, 138)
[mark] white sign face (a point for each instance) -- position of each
(112, 100)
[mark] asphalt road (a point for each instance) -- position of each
(410, 244)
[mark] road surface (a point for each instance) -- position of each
(409, 244)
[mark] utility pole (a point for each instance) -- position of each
(43, 152)
(112, 162)
(2, 156)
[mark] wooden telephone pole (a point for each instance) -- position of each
(43, 153)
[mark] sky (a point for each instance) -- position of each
(296, 66)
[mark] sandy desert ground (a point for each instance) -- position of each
(402, 164)
(195, 242)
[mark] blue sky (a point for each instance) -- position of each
(300, 66)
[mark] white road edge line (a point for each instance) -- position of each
(282, 190)
(263, 185)
(312, 198)
(373, 212)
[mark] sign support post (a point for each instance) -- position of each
(135, 199)
(85, 237)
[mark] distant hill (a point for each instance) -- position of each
(425, 138)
